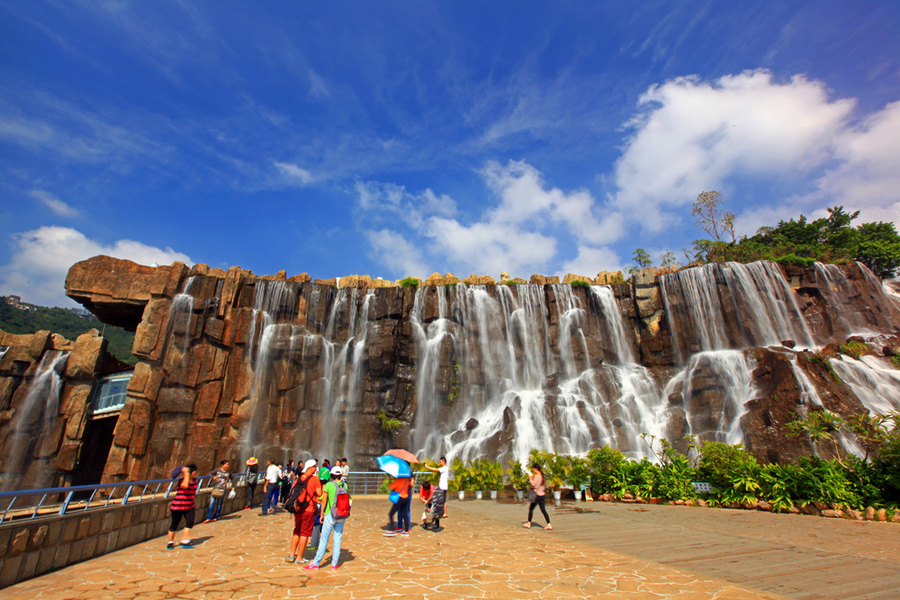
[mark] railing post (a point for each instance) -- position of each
(169, 489)
(127, 494)
(65, 504)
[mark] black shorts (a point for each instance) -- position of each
(176, 519)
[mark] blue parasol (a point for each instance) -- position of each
(393, 466)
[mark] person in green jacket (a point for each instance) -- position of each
(329, 523)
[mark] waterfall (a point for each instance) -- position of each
(732, 306)
(180, 314)
(858, 309)
(615, 327)
(524, 375)
(32, 429)
(711, 378)
(874, 380)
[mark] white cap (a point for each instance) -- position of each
(308, 464)
(336, 471)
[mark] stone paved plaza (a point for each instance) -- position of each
(596, 550)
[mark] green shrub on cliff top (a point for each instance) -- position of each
(409, 282)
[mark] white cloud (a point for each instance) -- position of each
(490, 247)
(317, 88)
(294, 174)
(42, 258)
(695, 135)
(590, 261)
(397, 253)
(56, 205)
(868, 178)
(524, 198)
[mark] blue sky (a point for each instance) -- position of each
(403, 138)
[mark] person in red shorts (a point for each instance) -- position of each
(305, 519)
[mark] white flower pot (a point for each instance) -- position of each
(493, 494)
(557, 494)
(577, 495)
(478, 494)
(462, 494)
(520, 494)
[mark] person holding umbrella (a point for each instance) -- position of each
(398, 467)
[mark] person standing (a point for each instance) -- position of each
(305, 518)
(329, 523)
(402, 486)
(287, 480)
(345, 472)
(252, 480)
(539, 495)
(439, 502)
(182, 506)
(221, 481)
(270, 487)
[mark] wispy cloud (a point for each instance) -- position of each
(57, 206)
(294, 174)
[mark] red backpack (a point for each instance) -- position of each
(342, 502)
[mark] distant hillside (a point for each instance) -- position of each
(69, 323)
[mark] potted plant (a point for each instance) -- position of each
(576, 473)
(460, 481)
(554, 473)
(477, 476)
(493, 477)
(518, 479)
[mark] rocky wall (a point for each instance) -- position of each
(42, 436)
(233, 364)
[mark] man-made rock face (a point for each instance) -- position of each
(234, 365)
(45, 399)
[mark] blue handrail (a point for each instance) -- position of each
(69, 493)
(361, 482)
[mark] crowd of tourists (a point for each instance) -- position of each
(317, 497)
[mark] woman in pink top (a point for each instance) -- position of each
(539, 487)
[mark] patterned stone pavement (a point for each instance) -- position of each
(475, 556)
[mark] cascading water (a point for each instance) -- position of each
(874, 381)
(333, 364)
(525, 378)
(715, 387)
(33, 425)
(756, 307)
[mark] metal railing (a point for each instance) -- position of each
(31, 504)
(63, 500)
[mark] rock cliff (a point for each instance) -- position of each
(233, 364)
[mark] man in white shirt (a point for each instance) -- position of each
(271, 487)
(439, 502)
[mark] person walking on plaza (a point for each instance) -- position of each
(252, 480)
(221, 481)
(182, 506)
(306, 516)
(270, 487)
(439, 503)
(329, 523)
(537, 495)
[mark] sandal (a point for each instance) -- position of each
(526, 525)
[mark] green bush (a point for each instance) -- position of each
(602, 464)
(409, 282)
(854, 349)
(580, 283)
(517, 476)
